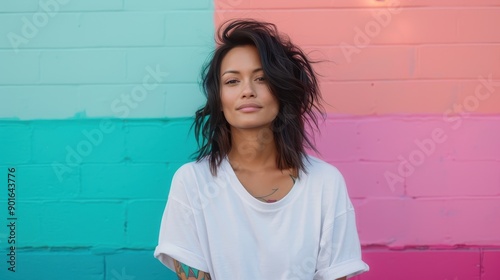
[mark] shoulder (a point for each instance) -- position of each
(327, 179)
(318, 168)
(195, 170)
(331, 186)
(192, 166)
(187, 179)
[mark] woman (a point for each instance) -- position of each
(254, 205)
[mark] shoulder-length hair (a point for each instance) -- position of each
(291, 79)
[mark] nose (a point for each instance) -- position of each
(247, 90)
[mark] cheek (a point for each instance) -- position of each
(274, 103)
(223, 97)
(226, 101)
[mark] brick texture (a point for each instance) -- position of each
(96, 101)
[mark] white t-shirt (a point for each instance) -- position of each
(215, 225)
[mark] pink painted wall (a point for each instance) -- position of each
(413, 92)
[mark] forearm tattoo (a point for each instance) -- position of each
(185, 272)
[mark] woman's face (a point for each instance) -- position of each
(247, 101)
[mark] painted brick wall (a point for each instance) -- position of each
(413, 88)
(95, 106)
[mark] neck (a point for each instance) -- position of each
(253, 150)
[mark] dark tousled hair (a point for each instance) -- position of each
(291, 79)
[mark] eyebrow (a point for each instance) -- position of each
(238, 72)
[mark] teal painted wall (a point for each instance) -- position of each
(96, 102)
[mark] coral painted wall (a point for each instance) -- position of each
(96, 100)
(413, 92)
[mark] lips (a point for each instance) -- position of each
(248, 105)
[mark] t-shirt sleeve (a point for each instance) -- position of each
(178, 237)
(340, 248)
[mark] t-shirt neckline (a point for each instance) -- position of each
(248, 198)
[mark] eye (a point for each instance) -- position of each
(231, 82)
(261, 79)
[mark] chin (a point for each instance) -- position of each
(253, 125)
(246, 123)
